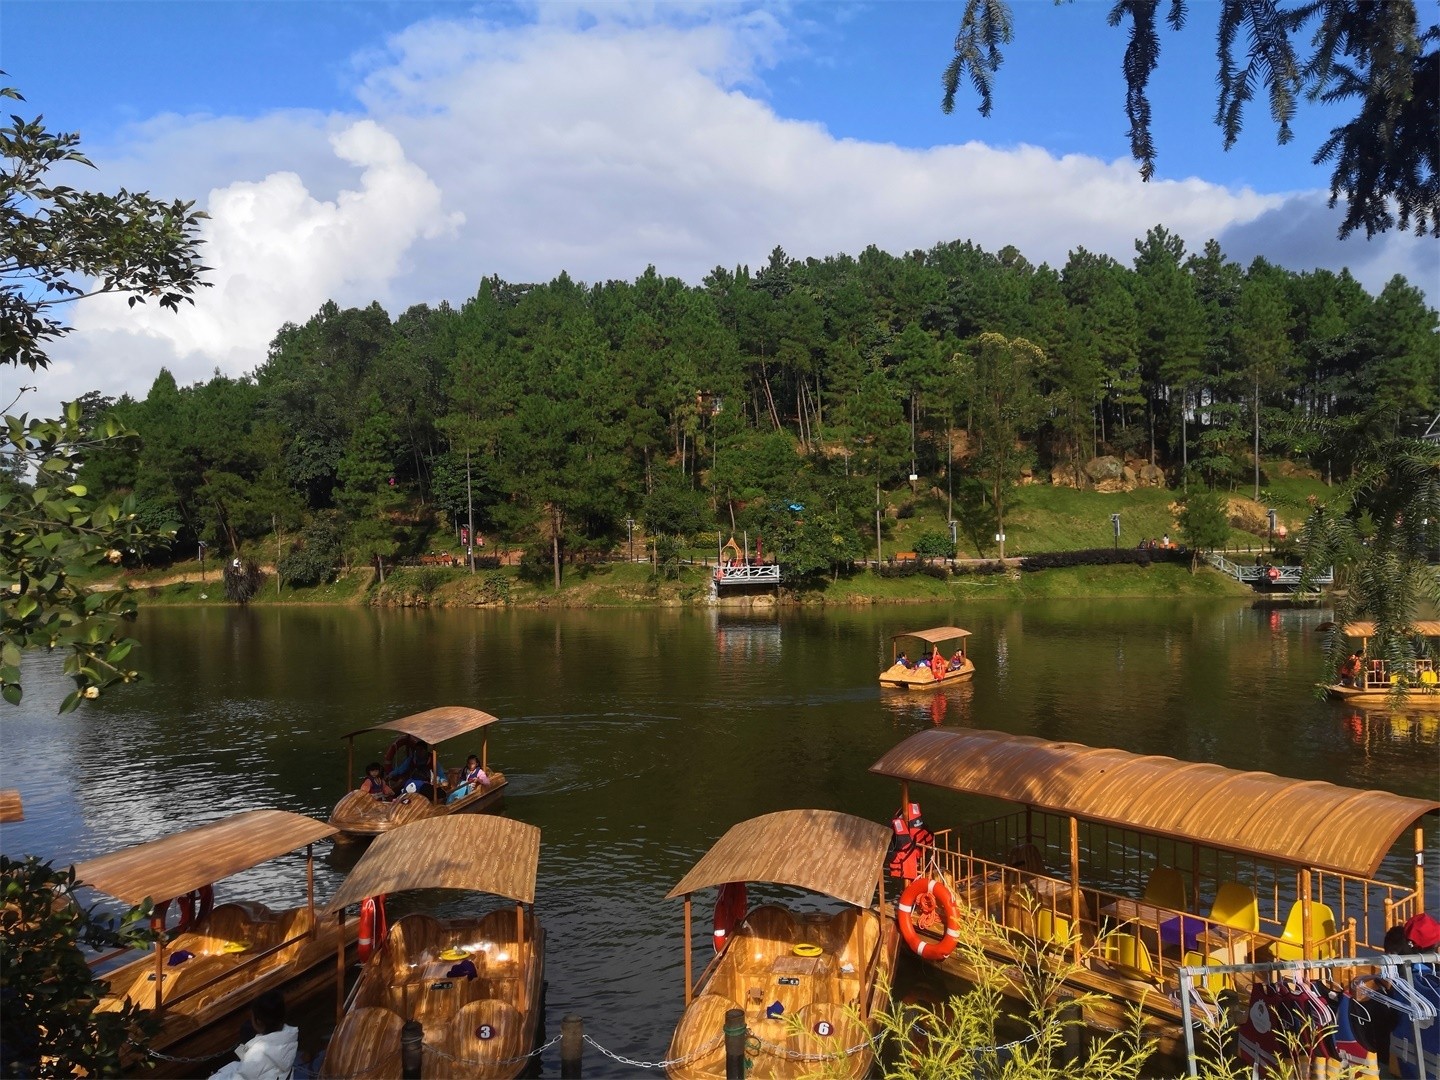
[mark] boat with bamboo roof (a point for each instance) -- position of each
(475, 985)
(939, 659)
(360, 815)
(1377, 681)
(807, 982)
(1117, 869)
(10, 806)
(208, 967)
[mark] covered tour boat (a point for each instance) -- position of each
(360, 815)
(807, 982)
(205, 973)
(1373, 681)
(938, 659)
(1124, 867)
(474, 984)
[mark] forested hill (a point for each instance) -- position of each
(821, 384)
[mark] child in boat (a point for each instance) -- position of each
(374, 783)
(474, 778)
(270, 1055)
(902, 659)
(958, 660)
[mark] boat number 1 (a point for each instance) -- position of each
(485, 1031)
(824, 1029)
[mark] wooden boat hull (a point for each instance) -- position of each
(213, 990)
(1380, 699)
(359, 816)
(921, 678)
(481, 1027)
(816, 1031)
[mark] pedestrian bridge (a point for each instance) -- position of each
(1267, 578)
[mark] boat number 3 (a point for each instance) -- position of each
(485, 1031)
(824, 1029)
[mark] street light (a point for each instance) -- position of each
(630, 537)
(202, 560)
(1270, 517)
(1115, 524)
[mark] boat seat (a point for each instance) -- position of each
(409, 940)
(1020, 906)
(767, 932)
(1128, 955)
(1055, 928)
(1211, 984)
(497, 926)
(1290, 945)
(198, 978)
(367, 1043)
(1026, 857)
(703, 1019)
(845, 1032)
(853, 936)
(481, 1031)
(1235, 906)
(1166, 889)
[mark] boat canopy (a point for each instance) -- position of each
(1306, 823)
(10, 808)
(820, 850)
(936, 634)
(472, 852)
(1423, 628)
(185, 861)
(435, 725)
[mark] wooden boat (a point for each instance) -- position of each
(361, 816)
(10, 807)
(238, 949)
(921, 673)
(1239, 866)
(801, 979)
(475, 985)
(1373, 685)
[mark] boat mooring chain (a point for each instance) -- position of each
(158, 1056)
(672, 1063)
(429, 1049)
(785, 1052)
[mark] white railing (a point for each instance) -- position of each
(767, 574)
(1277, 577)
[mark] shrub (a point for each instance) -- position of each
(934, 545)
(1054, 560)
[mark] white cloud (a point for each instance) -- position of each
(598, 140)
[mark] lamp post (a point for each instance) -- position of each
(202, 562)
(630, 537)
(953, 542)
(1115, 525)
(1270, 518)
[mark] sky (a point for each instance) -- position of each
(400, 152)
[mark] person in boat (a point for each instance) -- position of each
(270, 1054)
(374, 783)
(419, 778)
(1350, 669)
(958, 660)
(473, 779)
(937, 663)
(902, 659)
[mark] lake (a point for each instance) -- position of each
(635, 738)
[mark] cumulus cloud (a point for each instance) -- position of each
(599, 139)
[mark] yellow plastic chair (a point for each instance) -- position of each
(1322, 926)
(1128, 954)
(1211, 984)
(1166, 889)
(1235, 906)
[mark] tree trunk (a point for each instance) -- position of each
(554, 545)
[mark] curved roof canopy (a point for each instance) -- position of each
(936, 634)
(10, 808)
(434, 725)
(1296, 822)
(1423, 627)
(827, 852)
(475, 852)
(182, 862)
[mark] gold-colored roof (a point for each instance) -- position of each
(182, 862)
(435, 725)
(480, 853)
(1424, 628)
(936, 634)
(1297, 822)
(821, 850)
(10, 809)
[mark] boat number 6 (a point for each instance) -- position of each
(824, 1029)
(485, 1031)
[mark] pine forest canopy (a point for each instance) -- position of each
(815, 383)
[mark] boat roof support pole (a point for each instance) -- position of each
(687, 950)
(434, 778)
(349, 763)
(340, 966)
(310, 886)
(1419, 869)
(1075, 883)
(904, 798)
(519, 928)
(1305, 942)
(485, 751)
(160, 966)
(880, 885)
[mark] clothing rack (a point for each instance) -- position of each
(1280, 967)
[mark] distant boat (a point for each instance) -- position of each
(809, 983)
(923, 671)
(203, 977)
(475, 984)
(1374, 682)
(359, 815)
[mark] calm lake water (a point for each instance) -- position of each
(634, 739)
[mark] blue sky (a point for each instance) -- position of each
(400, 151)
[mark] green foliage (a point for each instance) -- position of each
(49, 1027)
(1204, 520)
(934, 546)
(243, 580)
(315, 556)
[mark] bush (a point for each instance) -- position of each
(1054, 560)
(313, 558)
(934, 545)
(979, 569)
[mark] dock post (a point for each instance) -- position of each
(412, 1035)
(1074, 1036)
(735, 1044)
(572, 1042)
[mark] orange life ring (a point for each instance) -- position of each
(731, 906)
(1273, 573)
(193, 907)
(407, 741)
(372, 926)
(930, 888)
